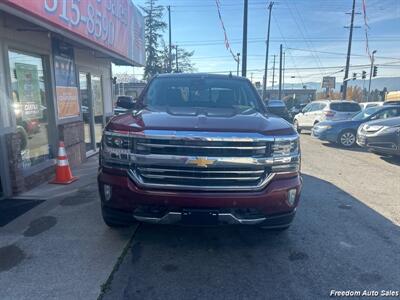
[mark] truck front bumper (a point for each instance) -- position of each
(270, 207)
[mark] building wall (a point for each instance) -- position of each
(16, 34)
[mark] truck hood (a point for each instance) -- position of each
(217, 120)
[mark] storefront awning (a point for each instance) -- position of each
(114, 28)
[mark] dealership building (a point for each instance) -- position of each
(56, 82)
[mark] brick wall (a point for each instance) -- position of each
(73, 136)
(13, 144)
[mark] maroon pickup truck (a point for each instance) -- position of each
(199, 149)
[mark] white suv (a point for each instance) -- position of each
(325, 110)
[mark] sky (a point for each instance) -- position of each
(312, 33)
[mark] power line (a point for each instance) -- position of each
(303, 35)
(286, 46)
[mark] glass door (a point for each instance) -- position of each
(85, 93)
(98, 110)
(91, 92)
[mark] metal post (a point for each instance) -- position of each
(176, 59)
(370, 74)
(244, 46)
(273, 73)
(283, 71)
(238, 64)
(169, 43)
(264, 94)
(280, 72)
(346, 73)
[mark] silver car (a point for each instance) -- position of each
(325, 110)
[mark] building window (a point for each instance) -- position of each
(28, 90)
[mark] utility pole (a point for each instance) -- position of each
(284, 66)
(238, 63)
(273, 73)
(244, 46)
(176, 58)
(280, 72)
(169, 44)
(370, 74)
(346, 73)
(264, 94)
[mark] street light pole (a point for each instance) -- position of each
(267, 52)
(370, 73)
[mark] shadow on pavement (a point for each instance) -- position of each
(335, 243)
(394, 160)
(336, 146)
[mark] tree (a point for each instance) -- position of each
(184, 59)
(154, 27)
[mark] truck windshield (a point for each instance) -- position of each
(202, 93)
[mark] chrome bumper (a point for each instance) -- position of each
(175, 217)
(276, 221)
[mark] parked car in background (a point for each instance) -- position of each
(345, 132)
(381, 136)
(297, 109)
(392, 102)
(278, 108)
(325, 110)
(123, 104)
(365, 105)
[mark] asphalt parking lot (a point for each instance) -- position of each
(346, 236)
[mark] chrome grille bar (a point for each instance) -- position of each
(196, 178)
(255, 172)
(204, 147)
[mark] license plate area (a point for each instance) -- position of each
(199, 217)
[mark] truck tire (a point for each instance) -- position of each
(113, 222)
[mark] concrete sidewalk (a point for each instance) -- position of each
(60, 249)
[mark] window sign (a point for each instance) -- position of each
(66, 83)
(28, 91)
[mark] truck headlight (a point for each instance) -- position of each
(116, 148)
(286, 155)
(116, 141)
(285, 147)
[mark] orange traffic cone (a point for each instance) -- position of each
(63, 171)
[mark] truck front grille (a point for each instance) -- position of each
(201, 163)
(197, 177)
(202, 148)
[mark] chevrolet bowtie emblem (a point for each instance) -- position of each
(202, 162)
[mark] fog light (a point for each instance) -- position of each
(107, 192)
(292, 196)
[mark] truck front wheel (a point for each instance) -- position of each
(112, 221)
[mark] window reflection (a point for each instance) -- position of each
(30, 107)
